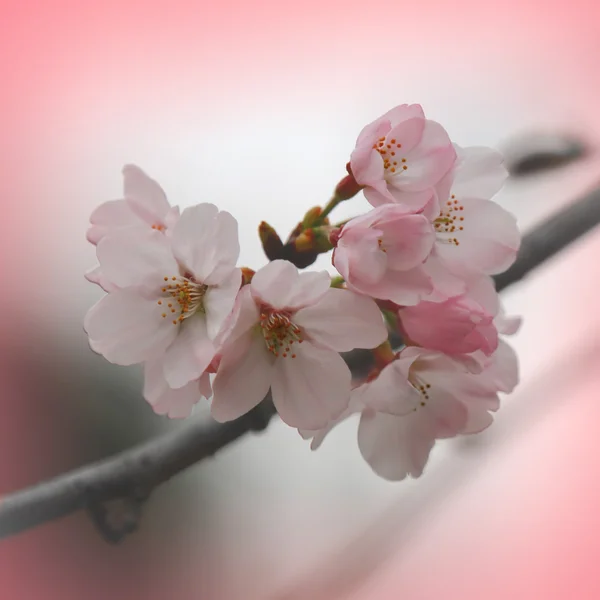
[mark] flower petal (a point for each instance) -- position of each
(480, 172)
(390, 391)
(243, 378)
(109, 216)
(190, 353)
(145, 197)
(176, 404)
(393, 446)
(342, 321)
(130, 257)
(280, 285)
(96, 276)
(219, 301)
(311, 389)
(205, 241)
(489, 242)
(244, 316)
(402, 287)
(127, 328)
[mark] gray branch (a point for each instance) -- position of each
(129, 477)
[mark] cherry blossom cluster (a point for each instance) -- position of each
(418, 264)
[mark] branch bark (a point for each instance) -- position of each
(131, 475)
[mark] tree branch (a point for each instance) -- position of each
(130, 476)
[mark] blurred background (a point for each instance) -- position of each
(255, 106)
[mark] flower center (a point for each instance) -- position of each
(279, 331)
(451, 219)
(421, 386)
(183, 298)
(158, 227)
(392, 164)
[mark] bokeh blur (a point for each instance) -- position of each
(256, 106)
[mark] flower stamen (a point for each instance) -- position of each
(279, 332)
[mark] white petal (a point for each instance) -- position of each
(127, 328)
(244, 316)
(280, 285)
(390, 391)
(219, 301)
(129, 257)
(243, 378)
(144, 195)
(205, 241)
(480, 172)
(311, 389)
(190, 353)
(489, 242)
(110, 216)
(342, 321)
(96, 276)
(393, 446)
(227, 249)
(176, 404)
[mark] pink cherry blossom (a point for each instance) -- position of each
(474, 234)
(286, 334)
(173, 294)
(460, 325)
(401, 156)
(381, 254)
(144, 206)
(418, 398)
(450, 399)
(175, 403)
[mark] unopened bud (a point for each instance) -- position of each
(271, 242)
(348, 187)
(313, 240)
(311, 216)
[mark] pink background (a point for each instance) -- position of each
(255, 106)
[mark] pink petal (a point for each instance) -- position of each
(129, 258)
(445, 283)
(126, 328)
(280, 285)
(190, 353)
(407, 240)
(373, 131)
(403, 112)
(394, 447)
(408, 133)
(359, 248)
(311, 389)
(243, 378)
(145, 197)
(342, 321)
(111, 215)
(366, 165)
(402, 287)
(219, 301)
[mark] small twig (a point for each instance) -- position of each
(134, 473)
